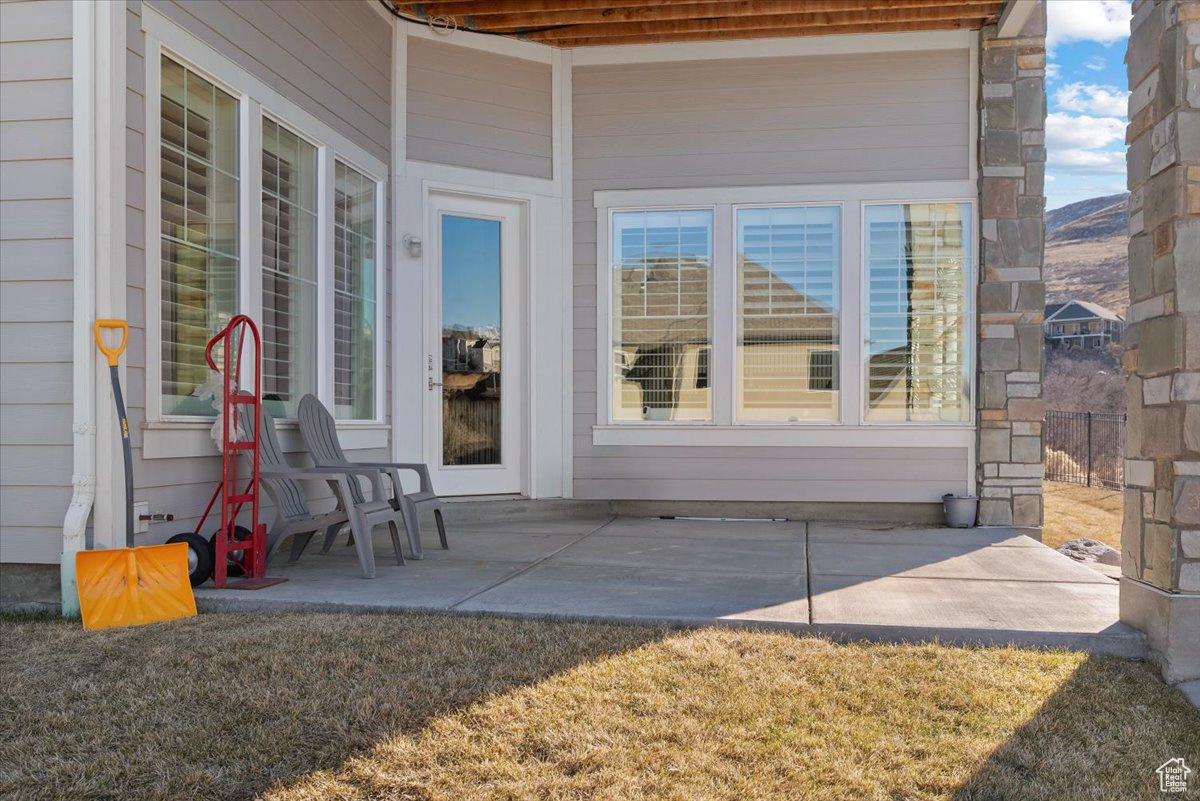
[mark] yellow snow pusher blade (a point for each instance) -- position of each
(128, 586)
(132, 586)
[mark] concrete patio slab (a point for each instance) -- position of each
(848, 582)
(736, 531)
(643, 594)
(1068, 614)
(574, 527)
(744, 558)
(333, 581)
(912, 535)
(949, 562)
(504, 546)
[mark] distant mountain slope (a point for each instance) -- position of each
(1087, 252)
(1073, 211)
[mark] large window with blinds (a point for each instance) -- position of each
(289, 268)
(814, 306)
(661, 291)
(199, 229)
(788, 281)
(918, 266)
(298, 234)
(354, 294)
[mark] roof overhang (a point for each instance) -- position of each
(589, 23)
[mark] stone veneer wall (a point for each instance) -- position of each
(1161, 537)
(1012, 294)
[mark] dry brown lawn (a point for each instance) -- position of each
(293, 707)
(1074, 512)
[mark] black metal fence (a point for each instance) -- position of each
(1085, 448)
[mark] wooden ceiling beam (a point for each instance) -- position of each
(607, 12)
(767, 33)
(883, 19)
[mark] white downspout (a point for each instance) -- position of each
(83, 369)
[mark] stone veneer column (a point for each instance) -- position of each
(1160, 588)
(1012, 295)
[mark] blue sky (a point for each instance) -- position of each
(1086, 99)
(470, 272)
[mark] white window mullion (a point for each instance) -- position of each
(325, 261)
(851, 364)
(250, 279)
(250, 222)
(722, 370)
(381, 294)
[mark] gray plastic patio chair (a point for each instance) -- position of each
(319, 430)
(292, 515)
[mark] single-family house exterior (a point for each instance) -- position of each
(1081, 325)
(784, 265)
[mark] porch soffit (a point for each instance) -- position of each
(589, 23)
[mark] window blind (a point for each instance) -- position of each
(662, 270)
(354, 294)
(788, 275)
(289, 262)
(199, 229)
(918, 268)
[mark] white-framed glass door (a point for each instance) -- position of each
(474, 345)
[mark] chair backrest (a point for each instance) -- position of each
(285, 492)
(319, 431)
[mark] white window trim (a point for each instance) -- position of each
(182, 435)
(851, 430)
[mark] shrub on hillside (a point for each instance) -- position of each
(1085, 381)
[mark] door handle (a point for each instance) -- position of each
(433, 383)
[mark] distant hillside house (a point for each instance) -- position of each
(1080, 325)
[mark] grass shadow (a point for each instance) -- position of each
(1100, 735)
(226, 706)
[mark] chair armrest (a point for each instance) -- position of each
(419, 468)
(331, 473)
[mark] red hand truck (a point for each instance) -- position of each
(231, 545)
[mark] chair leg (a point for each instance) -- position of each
(362, 543)
(299, 543)
(394, 530)
(330, 536)
(437, 517)
(409, 514)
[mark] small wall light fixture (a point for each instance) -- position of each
(413, 243)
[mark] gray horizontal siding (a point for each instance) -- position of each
(768, 121)
(35, 278)
(474, 109)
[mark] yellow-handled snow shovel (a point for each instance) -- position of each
(130, 586)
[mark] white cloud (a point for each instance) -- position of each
(1076, 144)
(1090, 98)
(1065, 131)
(1104, 21)
(1052, 71)
(1095, 64)
(1087, 162)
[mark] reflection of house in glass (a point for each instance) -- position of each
(916, 272)
(471, 395)
(788, 349)
(662, 349)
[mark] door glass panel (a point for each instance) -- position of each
(470, 341)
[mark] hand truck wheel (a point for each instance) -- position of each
(233, 566)
(200, 556)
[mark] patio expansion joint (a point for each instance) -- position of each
(523, 570)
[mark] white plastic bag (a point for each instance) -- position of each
(214, 388)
